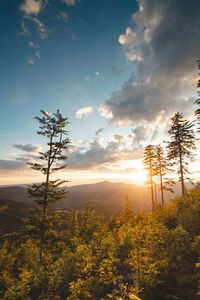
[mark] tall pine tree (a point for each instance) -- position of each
(52, 126)
(148, 161)
(162, 168)
(181, 145)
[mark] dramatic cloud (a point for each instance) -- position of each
(27, 147)
(31, 6)
(84, 111)
(100, 156)
(164, 45)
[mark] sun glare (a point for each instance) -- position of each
(138, 177)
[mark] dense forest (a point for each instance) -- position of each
(145, 255)
(134, 256)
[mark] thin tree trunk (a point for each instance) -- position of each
(182, 178)
(138, 268)
(152, 195)
(41, 237)
(161, 189)
(155, 190)
(181, 168)
(44, 208)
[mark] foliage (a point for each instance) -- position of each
(132, 256)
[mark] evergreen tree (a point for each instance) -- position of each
(181, 145)
(162, 168)
(129, 214)
(149, 158)
(197, 112)
(53, 128)
(73, 224)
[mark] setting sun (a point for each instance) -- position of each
(138, 177)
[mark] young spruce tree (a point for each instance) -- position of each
(52, 126)
(181, 145)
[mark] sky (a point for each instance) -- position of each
(118, 69)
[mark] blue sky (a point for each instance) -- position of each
(117, 69)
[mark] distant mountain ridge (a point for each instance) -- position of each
(100, 186)
(106, 196)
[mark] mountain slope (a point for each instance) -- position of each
(12, 214)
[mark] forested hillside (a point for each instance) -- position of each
(152, 255)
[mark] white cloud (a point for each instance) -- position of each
(77, 142)
(128, 37)
(70, 2)
(31, 6)
(105, 112)
(84, 111)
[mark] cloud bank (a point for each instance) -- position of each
(164, 45)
